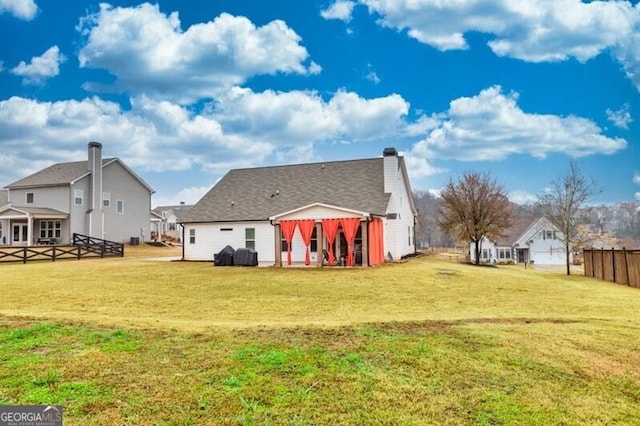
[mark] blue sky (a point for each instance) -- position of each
(185, 91)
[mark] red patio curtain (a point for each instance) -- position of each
(306, 229)
(288, 227)
(376, 242)
(330, 229)
(350, 229)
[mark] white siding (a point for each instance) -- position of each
(210, 239)
(399, 232)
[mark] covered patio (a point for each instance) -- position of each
(330, 236)
(28, 226)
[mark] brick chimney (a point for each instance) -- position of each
(95, 220)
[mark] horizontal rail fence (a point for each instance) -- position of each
(83, 246)
(618, 266)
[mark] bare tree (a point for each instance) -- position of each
(473, 208)
(562, 204)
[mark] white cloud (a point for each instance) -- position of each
(41, 67)
(373, 77)
(530, 30)
(636, 178)
(243, 129)
(491, 126)
(190, 195)
(149, 53)
(620, 118)
(305, 117)
(22, 9)
(522, 197)
(340, 9)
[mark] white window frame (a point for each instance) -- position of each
(26, 198)
(106, 199)
(119, 206)
(78, 197)
(50, 228)
(192, 236)
(250, 242)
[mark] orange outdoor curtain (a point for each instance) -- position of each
(288, 227)
(376, 242)
(350, 229)
(306, 229)
(330, 229)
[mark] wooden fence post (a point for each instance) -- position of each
(53, 254)
(24, 255)
(626, 265)
(613, 264)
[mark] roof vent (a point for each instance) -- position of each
(390, 152)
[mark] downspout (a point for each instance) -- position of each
(183, 242)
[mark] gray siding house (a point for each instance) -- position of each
(356, 212)
(101, 198)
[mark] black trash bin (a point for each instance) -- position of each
(135, 241)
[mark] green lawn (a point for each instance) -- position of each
(129, 341)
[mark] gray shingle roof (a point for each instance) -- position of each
(56, 174)
(259, 193)
(178, 210)
(518, 228)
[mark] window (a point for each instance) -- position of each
(78, 197)
(250, 238)
(29, 197)
(549, 235)
(504, 253)
(120, 206)
(486, 254)
(313, 243)
(50, 229)
(106, 199)
(172, 226)
(192, 236)
(284, 246)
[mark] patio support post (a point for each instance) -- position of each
(319, 241)
(278, 245)
(365, 243)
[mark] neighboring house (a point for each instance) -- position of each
(102, 198)
(4, 200)
(170, 226)
(357, 212)
(529, 240)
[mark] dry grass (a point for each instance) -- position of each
(430, 341)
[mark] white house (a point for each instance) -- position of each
(532, 240)
(100, 198)
(357, 212)
(170, 220)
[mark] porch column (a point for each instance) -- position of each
(278, 245)
(30, 241)
(319, 241)
(365, 243)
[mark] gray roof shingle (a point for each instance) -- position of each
(56, 174)
(259, 193)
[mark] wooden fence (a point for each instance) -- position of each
(82, 247)
(618, 266)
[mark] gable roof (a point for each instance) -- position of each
(521, 227)
(263, 192)
(178, 210)
(66, 173)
